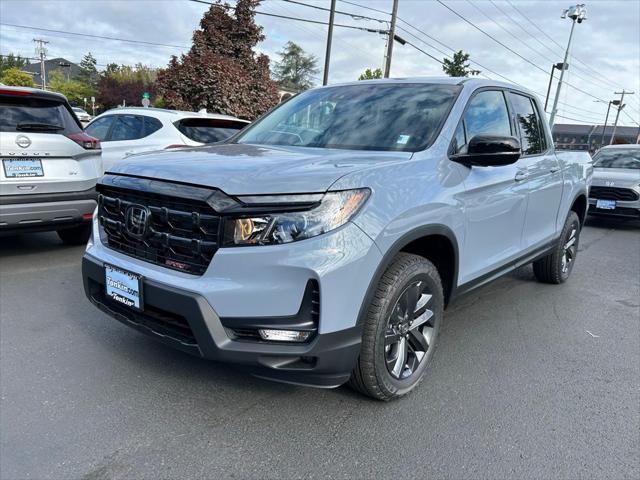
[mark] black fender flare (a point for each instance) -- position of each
(396, 247)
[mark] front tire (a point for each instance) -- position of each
(75, 235)
(400, 329)
(556, 267)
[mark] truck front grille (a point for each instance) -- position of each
(613, 193)
(181, 233)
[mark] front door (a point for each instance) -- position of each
(494, 198)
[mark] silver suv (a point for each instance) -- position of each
(49, 166)
(321, 245)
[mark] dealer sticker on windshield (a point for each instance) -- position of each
(123, 286)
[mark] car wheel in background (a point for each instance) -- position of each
(75, 235)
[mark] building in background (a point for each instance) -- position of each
(69, 70)
(568, 136)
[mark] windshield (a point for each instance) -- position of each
(382, 116)
(618, 158)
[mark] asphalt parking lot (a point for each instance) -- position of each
(529, 381)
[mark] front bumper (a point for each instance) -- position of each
(623, 209)
(39, 212)
(185, 320)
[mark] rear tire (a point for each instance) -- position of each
(556, 267)
(75, 235)
(400, 329)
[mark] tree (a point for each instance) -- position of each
(371, 74)
(296, 69)
(15, 77)
(11, 61)
(125, 84)
(221, 72)
(458, 66)
(88, 72)
(75, 91)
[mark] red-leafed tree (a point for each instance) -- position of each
(221, 72)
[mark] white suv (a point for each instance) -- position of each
(126, 131)
(49, 166)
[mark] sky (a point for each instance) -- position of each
(605, 54)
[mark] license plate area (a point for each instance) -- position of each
(123, 286)
(22, 167)
(606, 204)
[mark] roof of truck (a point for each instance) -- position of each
(472, 82)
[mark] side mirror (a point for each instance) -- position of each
(489, 151)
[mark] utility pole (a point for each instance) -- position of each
(620, 107)
(41, 52)
(577, 13)
(327, 55)
(390, 39)
(606, 118)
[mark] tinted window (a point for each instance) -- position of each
(209, 130)
(29, 114)
(460, 139)
(617, 158)
(127, 127)
(151, 125)
(531, 133)
(487, 114)
(403, 117)
(100, 128)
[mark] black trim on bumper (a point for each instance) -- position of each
(89, 194)
(618, 212)
(186, 321)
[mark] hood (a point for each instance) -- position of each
(239, 169)
(621, 177)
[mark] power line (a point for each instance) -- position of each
(65, 32)
(593, 71)
(538, 67)
(339, 12)
(365, 7)
(298, 19)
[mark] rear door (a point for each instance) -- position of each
(494, 199)
(544, 179)
(125, 134)
(42, 147)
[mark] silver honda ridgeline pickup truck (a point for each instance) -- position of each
(321, 244)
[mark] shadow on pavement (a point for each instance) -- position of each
(612, 222)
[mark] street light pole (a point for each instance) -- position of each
(620, 107)
(577, 13)
(327, 56)
(553, 68)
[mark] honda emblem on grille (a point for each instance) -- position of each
(136, 220)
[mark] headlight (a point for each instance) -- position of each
(335, 209)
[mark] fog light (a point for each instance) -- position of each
(284, 335)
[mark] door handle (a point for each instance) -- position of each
(521, 176)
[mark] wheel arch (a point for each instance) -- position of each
(436, 243)
(580, 205)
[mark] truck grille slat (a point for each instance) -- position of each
(613, 193)
(183, 234)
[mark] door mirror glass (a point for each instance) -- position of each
(490, 151)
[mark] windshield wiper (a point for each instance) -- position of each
(43, 127)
